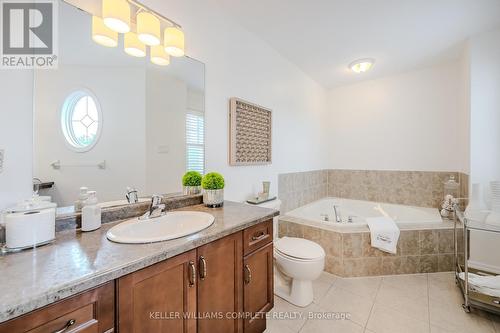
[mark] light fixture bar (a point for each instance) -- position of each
(154, 12)
(136, 4)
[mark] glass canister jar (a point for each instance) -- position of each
(451, 187)
(451, 191)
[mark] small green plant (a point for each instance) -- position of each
(192, 178)
(213, 181)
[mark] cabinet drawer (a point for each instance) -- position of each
(89, 312)
(257, 236)
(80, 320)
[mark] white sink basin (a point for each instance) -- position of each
(170, 226)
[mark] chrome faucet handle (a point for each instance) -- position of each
(132, 195)
(156, 209)
(156, 200)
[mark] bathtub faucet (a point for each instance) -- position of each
(338, 218)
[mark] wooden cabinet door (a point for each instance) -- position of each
(258, 294)
(220, 287)
(92, 311)
(160, 298)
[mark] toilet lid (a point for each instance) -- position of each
(299, 248)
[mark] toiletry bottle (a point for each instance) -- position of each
(91, 213)
(82, 197)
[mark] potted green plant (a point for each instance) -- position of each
(213, 190)
(192, 183)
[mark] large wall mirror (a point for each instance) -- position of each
(108, 121)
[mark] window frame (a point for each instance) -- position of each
(203, 146)
(65, 118)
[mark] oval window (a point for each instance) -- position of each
(81, 120)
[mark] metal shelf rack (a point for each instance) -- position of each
(472, 298)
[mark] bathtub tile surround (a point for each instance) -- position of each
(300, 188)
(349, 254)
(415, 188)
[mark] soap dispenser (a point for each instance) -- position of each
(91, 213)
(82, 197)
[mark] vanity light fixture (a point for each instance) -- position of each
(148, 29)
(116, 15)
(133, 46)
(361, 65)
(159, 56)
(174, 41)
(116, 18)
(103, 35)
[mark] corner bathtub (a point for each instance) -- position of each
(406, 217)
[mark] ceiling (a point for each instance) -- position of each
(323, 36)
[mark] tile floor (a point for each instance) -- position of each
(417, 303)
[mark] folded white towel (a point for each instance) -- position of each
(384, 233)
(489, 285)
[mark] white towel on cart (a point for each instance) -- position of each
(485, 284)
(384, 233)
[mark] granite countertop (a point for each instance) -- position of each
(79, 261)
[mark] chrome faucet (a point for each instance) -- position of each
(132, 196)
(336, 210)
(156, 209)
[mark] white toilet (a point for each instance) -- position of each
(297, 263)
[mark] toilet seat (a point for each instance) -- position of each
(299, 249)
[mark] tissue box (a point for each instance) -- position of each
(30, 225)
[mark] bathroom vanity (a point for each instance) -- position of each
(218, 280)
(115, 129)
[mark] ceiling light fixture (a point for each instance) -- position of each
(361, 65)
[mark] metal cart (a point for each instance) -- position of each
(472, 298)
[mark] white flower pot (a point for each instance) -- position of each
(213, 198)
(192, 190)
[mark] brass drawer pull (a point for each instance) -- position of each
(258, 236)
(68, 325)
(192, 273)
(248, 274)
(203, 268)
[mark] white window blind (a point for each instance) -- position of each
(195, 141)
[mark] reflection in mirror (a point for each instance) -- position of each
(108, 121)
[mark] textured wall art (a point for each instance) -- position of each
(250, 133)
